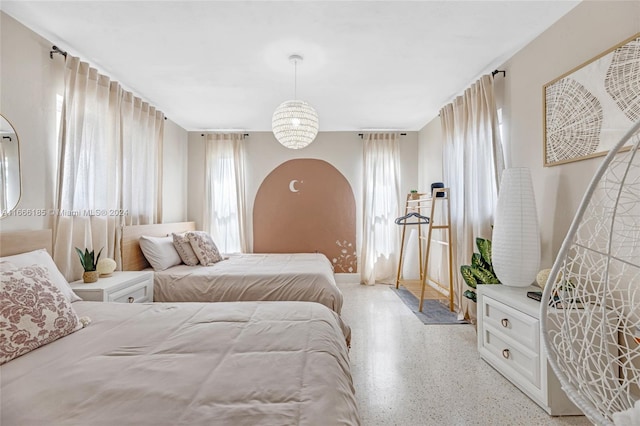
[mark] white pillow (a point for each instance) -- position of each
(160, 252)
(43, 258)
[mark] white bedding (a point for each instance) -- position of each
(249, 363)
(250, 277)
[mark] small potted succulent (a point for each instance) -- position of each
(89, 263)
(414, 194)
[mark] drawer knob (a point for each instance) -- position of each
(131, 299)
(506, 354)
(505, 322)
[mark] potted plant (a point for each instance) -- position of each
(481, 269)
(89, 263)
(414, 194)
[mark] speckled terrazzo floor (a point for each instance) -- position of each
(409, 374)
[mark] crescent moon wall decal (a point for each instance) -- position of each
(292, 186)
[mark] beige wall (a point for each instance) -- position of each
(589, 29)
(29, 83)
(174, 173)
(430, 144)
(343, 150)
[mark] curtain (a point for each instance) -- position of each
(110, 160)
(381, 195)
(473, 163)
(224, 215)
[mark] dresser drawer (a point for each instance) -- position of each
(505, 353)
(517, 325)
(137, 293)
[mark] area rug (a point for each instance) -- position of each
(433, 312)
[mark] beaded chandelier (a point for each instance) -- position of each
(295, 122)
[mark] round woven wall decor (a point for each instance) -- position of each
(574, 119)
(622, 81)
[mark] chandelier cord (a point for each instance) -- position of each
(295, 80)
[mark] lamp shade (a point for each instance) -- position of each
(295, 124)
(516, 235)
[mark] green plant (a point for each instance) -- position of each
(89, 263)
(481, 269)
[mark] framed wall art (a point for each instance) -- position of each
(589, 109)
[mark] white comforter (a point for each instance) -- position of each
(250, 277)
(249, 363)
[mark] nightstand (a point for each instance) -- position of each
(509, 339)
(122, 287)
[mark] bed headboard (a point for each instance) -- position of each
(25, 241)
(132, 257)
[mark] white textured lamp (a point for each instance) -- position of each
(105, 267)
(295, 123)
(516, 235)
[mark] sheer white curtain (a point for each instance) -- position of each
(381, 195)
(224, 215)
(110, 160)
(473, 163)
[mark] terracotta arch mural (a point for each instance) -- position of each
(305, 206)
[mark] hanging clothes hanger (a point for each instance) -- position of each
(419, 219)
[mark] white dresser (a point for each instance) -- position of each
(122, 286)
(509, 340)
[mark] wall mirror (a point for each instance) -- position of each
(10, 186)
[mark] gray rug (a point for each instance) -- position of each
(433, 312)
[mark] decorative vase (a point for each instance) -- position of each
(90, 277)
(516, 236)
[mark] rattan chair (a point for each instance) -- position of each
(591, 329)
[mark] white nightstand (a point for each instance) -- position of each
(509, 340)
(122, 287)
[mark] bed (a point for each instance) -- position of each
(240, 363)
(242, 277)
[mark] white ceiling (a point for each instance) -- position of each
(224, 64)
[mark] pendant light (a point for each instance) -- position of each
(295, 122)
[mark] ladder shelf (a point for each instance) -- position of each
(438, 199)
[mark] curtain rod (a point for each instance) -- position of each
(56, 49)
(362, 134)
(244, 134)
(494, 72)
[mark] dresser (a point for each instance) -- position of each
(509, 339)
(121, 286)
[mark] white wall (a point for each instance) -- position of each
(586, 31)
(29, 83)
(343, 150)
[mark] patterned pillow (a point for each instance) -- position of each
(33, 311)
(5, 265)
(43, 258)
(184, 249)
(204, 247)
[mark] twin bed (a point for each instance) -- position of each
(240, 277)
(240, 363)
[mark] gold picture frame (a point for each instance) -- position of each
(587, 110)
